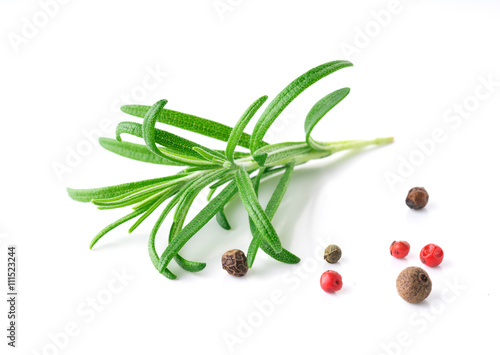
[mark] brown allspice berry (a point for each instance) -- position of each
(417, 198)
(332, 253)
(234, 262)
(414, 284)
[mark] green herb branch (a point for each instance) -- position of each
(231, 171)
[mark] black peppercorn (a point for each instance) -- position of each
(414, 284)
(235, 262)
(417, 198)
(332, 253)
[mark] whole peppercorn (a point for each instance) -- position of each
(414, 284)
(400, 249)
(331, 281)
(417, 198)
(332, 253)
(431, 255)
(235, 262)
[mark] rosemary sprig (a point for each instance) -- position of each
(235, 171)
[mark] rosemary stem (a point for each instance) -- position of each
(356, 144)
(327, 148)
(334, 147)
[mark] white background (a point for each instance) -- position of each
(67, 75)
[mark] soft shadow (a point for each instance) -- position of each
(304, 184)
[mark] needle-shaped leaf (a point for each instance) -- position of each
(179, 218)
(280, 153)
(172, 147)
(237, 132)
(283, 256)
(201, 168)
(191, 123)
(224, 180)
(288, 94)
(320, 109)
(130, 199)
(210, 155)
(255, 211)
(87, 195)
(202, 218)
(159, 200)
(134, 151)
(188, 193)
(271, 209)
(116, 224)
(222, 220)
(183, 263)
(256, 181)
(148, 127)
(152, 236)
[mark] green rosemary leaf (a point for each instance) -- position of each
(221, 219)
(255, 211)
(209, 155)
(320, 109)
(256, 181)
(179, 218)
(127, 127)
(87, 195)
(238, 155)
(287, 95)
(116, 224)
(191, 123)
(284, 256)
(271, 208)
(163, 184)
(134, 151)
(237, 131)
(191, 266)
(254, 244)
(174, 148)
(217, 153)
(224, 180)
(202, 218)
(159, 200)
(148, 127)
(210, 194)
(192, 190)
(188, 193)
(280, 153)
(201, 168)
(171, 191)
(260, 159)
(131, 199)
(152, 237)
(279, 192)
